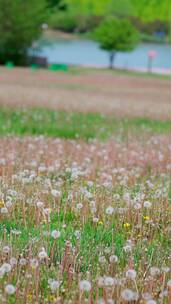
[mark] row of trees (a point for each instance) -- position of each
(84, 14)
(147, 10)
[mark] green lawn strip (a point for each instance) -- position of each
(117, 71)
(40, 121)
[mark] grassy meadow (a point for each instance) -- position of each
(85, 203)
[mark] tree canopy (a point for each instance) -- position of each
(147, 10)
(116, 35)
(20, 25)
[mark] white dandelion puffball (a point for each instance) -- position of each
(113, 259)
(39, 204)
(54, 285)
(34, 263)
(4, 210)
(6, 267)
(151, 302)
(6, 249)
(109, 210)
(79, 206)
(9, 289)
(147, 204)
(85, 285)
(55, 234)
(56, 193)
(131, 274)
(108, 281)
(42, 254)
(127, 294)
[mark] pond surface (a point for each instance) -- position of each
(87, 52)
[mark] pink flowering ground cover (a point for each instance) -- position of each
(85, 90)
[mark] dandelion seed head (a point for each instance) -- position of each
(85, 285)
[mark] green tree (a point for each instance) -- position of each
(20, 25)
(116, 35)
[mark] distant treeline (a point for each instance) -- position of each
(82, 15)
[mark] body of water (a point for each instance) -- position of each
(87, 52)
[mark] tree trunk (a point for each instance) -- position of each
(111, 59)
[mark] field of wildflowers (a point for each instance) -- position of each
(85, 195)
(85, 221)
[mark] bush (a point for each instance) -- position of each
(61, 20)
(67, 22)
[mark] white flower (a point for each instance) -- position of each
(6, 249)
(54, 285)
(137, 206)
(8, 204)
(39, 204)
(42, 169)
(147, 204)
(9, 289)
(110, 301)
(47, 211)
(16, 232)
(127, 248)
(13, 261)
(85, 285)
(95, 219)
(102, 260)
(101, 301)
(113, 259)
(4, 210)
(77, 234)
(109, 210)
(127, 294)
(147, 296)
(34, 263)
(151, 302)
(154, 271)
(166, 269)
(131, 274)
(55, 193)
(90, 183)
(126, 197)
(23, 262)
(163, 294)
(55, 234)
(6, 267)
(108, 281)
(79, 206)
(42, 254)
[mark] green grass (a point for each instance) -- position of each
(74, 125)
(116, 71)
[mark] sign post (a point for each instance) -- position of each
(151, 56)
